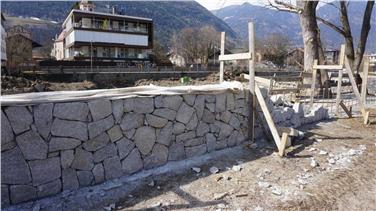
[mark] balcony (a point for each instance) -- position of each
(108, 27)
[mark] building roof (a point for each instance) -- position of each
(104, 14)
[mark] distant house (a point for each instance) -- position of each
(19, 49)
(89, 35)
(295, 57)
(331, 56)
(3, 44)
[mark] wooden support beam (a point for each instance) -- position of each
(356, 92)
(238, 56)
(284, 91)
(342, 54)
(268, 117)
(313, 85)
(289, 130)
(281, 151)
(252, 84)
(222, 63)
(339, 90)
(287, 78)
(365, 79)
(327, 67)
(347, 111)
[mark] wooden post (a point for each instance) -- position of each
(222, 63)
(365, 114)
(252, 96)
(313, 85)
(339, 89)
(365, 79)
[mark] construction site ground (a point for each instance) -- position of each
(332, 168)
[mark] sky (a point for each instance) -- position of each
(218, 4)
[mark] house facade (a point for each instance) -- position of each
(89, 35)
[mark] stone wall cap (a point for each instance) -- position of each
(113, 94)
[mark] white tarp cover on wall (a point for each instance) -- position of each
(140, 91)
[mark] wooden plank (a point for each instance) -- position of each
(268, 117)
(281, 150)
(287, 78)
(365, 79)
(284, 91)
(238, 56)
(261, 80)
(327, 67)
(342, 55)
(222, 63)
(306, 75)
(347, 111)
(339, 90)
(307, 86)
(289, 130)
(252, 84)
(313, 85)
(356, 91)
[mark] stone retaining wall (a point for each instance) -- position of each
(51, 147)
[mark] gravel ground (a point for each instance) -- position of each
(332, 168)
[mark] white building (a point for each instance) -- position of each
(90, 35)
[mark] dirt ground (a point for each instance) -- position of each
(332, 169)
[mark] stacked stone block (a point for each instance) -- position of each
(52, 147)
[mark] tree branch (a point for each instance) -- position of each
(331, 25)
(284, 7)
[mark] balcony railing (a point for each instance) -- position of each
(110, 28)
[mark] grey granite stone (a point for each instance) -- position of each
(49, 189)
(132, 121)
(158, 157)
(112, 168)
(144, 105)
(98, 172)
(165, 113)
(70, 180)
(100, 126)
(20, 118)
(32, 145)
(17, 171)
(117, 110)
(66, 158)
(71, 111)
(156, 121)
(184, 113)
(22, 193)
(85, 178)
(100, 109)
(73, 129)
(164, 135)
(115, 133)
(43, 118)
(195, 150)
(83, 160)
(176, 151)
(96, 143)
(145, 139)
(105, 152)
(43, 171)
(57, 144)
(132, 163)
(124, 147)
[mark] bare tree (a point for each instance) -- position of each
(354, 56)
(274, 48)
(195, 44)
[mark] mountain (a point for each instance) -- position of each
(269, 21)
(168, 16)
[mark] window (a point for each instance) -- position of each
(106, 52)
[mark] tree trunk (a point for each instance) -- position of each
(347, 33)
(366, 26)
(309, 27)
